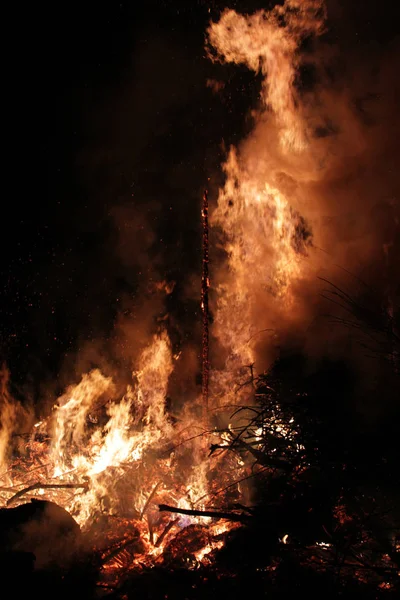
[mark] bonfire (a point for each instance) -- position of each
(154, 486)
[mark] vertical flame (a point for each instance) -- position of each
(253, 211)
(155, 367)
(71, 418)
(135, 424)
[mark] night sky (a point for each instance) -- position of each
(113, 136)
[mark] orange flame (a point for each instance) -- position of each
(261, 230)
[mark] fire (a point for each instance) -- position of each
(71, 420)
(79, 453)
(262, 44)
(265, 239)
(100, 455)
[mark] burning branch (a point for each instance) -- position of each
(149, 499)
(242, 518)
(47, 486)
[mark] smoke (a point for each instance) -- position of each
(142, 174)
(311, 191)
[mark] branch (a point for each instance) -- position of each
(46, 486)
(205, 513)
(261, 457)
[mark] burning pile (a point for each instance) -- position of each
(110, 462)
(138, 480)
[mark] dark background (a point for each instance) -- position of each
(111, 136)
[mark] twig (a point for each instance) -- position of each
(220, 491)
(248, 509)
(261, 457)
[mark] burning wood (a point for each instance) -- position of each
(111, 463)
(111, 475)
(45, 486)
(213, 514)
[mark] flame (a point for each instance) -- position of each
(71, 418)
(261, 43)
(264, 237)
(249, 210)
(75, 451)
(98, 454)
